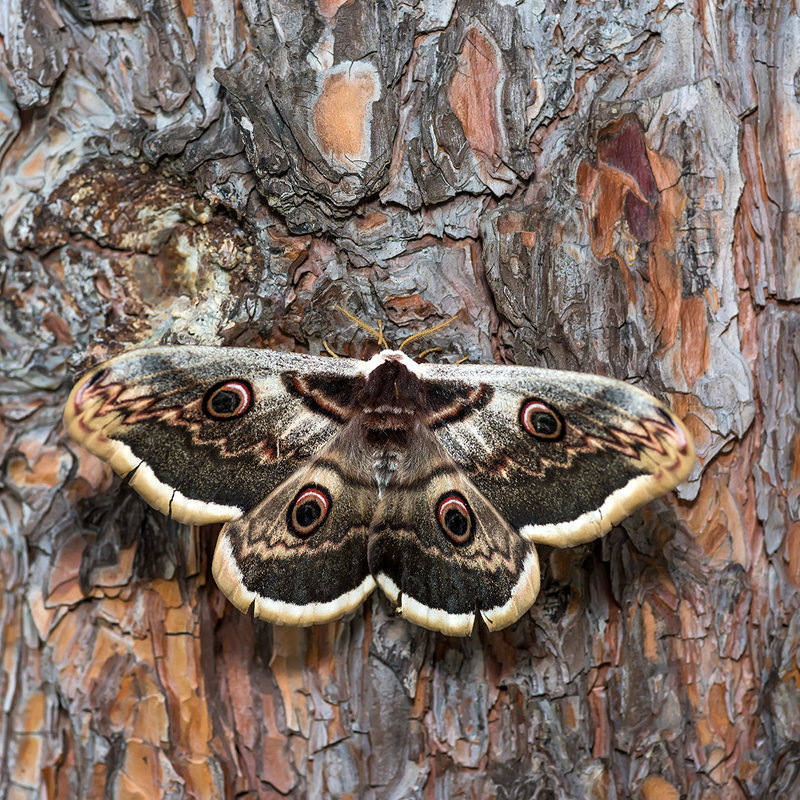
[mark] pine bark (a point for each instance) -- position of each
(600, 187)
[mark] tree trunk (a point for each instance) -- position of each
(601, 187)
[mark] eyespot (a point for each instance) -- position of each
(228, 399)
(541, 421)
(308, 510)
(455, 518)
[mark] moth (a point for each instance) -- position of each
(434, 482)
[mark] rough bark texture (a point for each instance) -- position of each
(611, 188)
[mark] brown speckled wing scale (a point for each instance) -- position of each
(334, 476)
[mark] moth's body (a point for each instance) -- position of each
(337, 475)
(385, 417)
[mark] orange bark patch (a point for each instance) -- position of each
(28, 759)
(795, 451)
(149, 717)
(731, 518)
(33, 718)
(168, 591)
(792, 553)
(330, 8)
(717, 517)
(718, 710)
(370, 220)
(38, 466)
(276, 761)
(34, 165)
(58, 327)
(201, 780)
(694, 338)
(586, 181)
(610, 195)
(650, 632)
(472, 94)
(278, 770)
(141, 774)
(108, 647)
(656, 788)
(343, 112)
(194, 724)
(569, 713)
(704, 733)
(64, 640)
(598, 706)
(140, 708)
(666, 282)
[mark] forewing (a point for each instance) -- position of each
(616, 449)
(146, 413)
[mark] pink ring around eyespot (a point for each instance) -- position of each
(454, 502)
(533, 407)
(240, 388)
(310, 495)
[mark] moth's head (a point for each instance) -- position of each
(392, 357)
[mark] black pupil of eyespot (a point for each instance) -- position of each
(225, 402)
(456, 522)
(545, 423)
(308, 513)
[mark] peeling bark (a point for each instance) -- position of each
(588, 186)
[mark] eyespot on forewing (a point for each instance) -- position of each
(228, 399)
